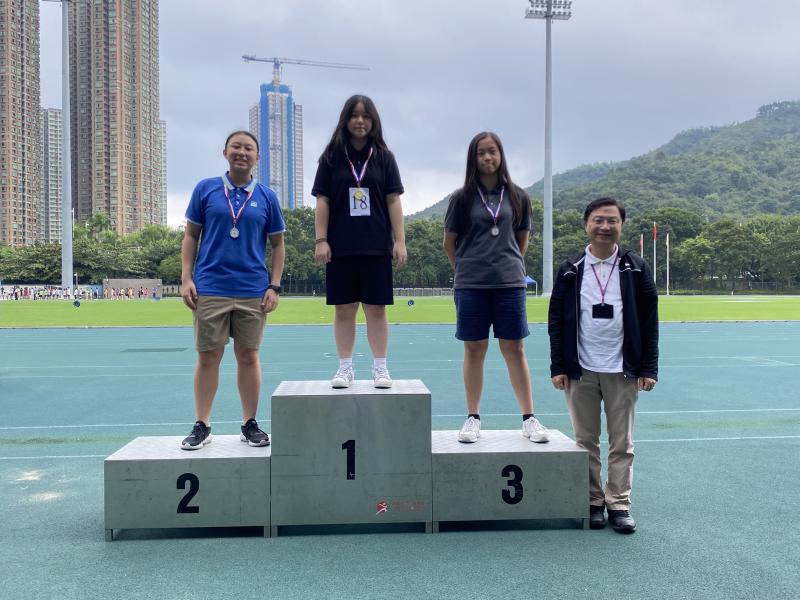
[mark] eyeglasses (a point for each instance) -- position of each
(612, 221)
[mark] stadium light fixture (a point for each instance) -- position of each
(548, 10)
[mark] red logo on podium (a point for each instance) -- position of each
(381, 508)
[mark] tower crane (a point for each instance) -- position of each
(277, 63)
(277, 151)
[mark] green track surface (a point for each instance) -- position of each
(171, 312)
(715, 493)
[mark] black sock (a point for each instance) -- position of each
(474, 415)
(527, 416)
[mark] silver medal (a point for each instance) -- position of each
(495, 231)
(234, 232)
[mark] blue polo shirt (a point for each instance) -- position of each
(229, 266)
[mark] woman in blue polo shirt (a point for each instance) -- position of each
(225, 282)
(486, 235)
(359, 230)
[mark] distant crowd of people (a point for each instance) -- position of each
(130, 293)
(18, 292)
(33, 292)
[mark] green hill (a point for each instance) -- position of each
(738, 169)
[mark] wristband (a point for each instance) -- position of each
(320, 240)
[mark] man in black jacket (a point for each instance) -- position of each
(603, 328)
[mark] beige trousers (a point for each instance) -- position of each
(618, 395)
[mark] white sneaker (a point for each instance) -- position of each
(471, 431)
(343, 378)
(535, 431)
(382, 378)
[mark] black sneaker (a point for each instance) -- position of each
(597, 517)
(621, 521)
(253, 435)
(200, 436)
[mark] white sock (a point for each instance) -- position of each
(378, 362)
(346, 362)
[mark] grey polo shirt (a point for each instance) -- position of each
(484, 260)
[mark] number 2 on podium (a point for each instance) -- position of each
(194, 486)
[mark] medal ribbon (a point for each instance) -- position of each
(599, 285)
(358, 177)
(226, 186)
(494, 214)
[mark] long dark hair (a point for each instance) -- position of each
(341, 136)
(465, 196)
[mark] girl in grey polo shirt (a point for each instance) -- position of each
(486, 235)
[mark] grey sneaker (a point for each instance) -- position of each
(253, 435)
(343, 378)
(200, 436)
(382, 378)
(535, 431)
(471, 431)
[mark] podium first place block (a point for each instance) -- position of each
(152, 483)
(349, 456)
(504, 476)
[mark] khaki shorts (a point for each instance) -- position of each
(219, 318)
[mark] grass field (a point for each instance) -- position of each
(171, 312)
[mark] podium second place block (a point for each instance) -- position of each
(348, 456)
(152, 483)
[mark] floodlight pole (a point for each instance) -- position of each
(66, 164)
(548, 10)
(66, 161)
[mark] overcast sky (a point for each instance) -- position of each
(627, 76)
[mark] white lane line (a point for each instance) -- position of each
(645, 412)
(714, 439)
(49, 456)
(87, 426)
(724, 439)
(746, 365)
(443, 416)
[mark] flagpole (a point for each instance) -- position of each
(641, 244)
(655, 237)
(667, 263)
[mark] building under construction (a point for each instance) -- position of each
(277, 121)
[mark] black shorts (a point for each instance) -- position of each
(366, 279)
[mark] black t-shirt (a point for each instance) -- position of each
(350, 235)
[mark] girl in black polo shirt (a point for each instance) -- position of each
(359, 230)
(486, 234)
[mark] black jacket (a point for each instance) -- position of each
(639, 317)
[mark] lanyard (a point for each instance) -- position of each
(358, 177)
(226, 186)
(494, 214)
(599, 285)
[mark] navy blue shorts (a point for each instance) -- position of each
(501, 308)
(366, 279)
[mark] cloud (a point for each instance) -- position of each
(627, 76)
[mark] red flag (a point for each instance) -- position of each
(655, 231)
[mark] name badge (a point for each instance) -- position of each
(602, 311)
(359, 202)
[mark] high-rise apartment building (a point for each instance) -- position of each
(114, 110)
(162, 129)
(277, 122)
(52, 169)
(20, 121)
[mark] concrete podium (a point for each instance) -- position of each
(152, 483)
(350, 456)
(504, 476)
